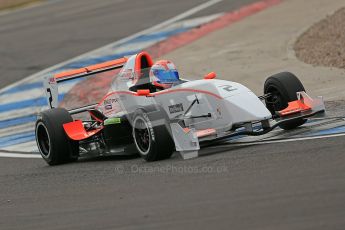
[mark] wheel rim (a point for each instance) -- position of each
(142, 137)
(42, 138)
(275, 102)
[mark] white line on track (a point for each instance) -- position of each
(19, 155)
(182, 24)
(33, 93)
(29, 126)
(18, 113)
(26, 148)
(27, 7)
(279, 140)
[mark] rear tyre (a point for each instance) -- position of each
(54, 145)
(152, 142)
(283, 88)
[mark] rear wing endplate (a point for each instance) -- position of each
(50, 83)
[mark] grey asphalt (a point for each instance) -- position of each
(298, 185)
(295, 185)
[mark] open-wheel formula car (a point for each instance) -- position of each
(137, 115)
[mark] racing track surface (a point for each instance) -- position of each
(297, 185)
(294, 185)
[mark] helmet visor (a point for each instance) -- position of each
(166, 76)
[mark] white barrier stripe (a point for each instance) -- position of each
(14, 114)
(30, 146)
(34, 109)
(17, 129)
(16, 97)
(32, 93)
(137, 45)
(178, 25)
(194, 22)
(20, 155)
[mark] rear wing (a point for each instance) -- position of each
(51, 82)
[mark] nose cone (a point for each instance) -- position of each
(246, 107)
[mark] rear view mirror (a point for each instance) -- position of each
(143, 92)
(210, 75)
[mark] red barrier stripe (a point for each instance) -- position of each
(187, 37)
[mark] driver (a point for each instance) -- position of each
(164, 75)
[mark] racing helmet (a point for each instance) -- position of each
(163, 74)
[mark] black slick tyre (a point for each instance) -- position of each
(283, 88)
(153, 142)
(54, 145)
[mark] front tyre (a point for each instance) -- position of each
(54, 145)
(283, 88)
(153, 142)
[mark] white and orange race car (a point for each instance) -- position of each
(134, 117)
